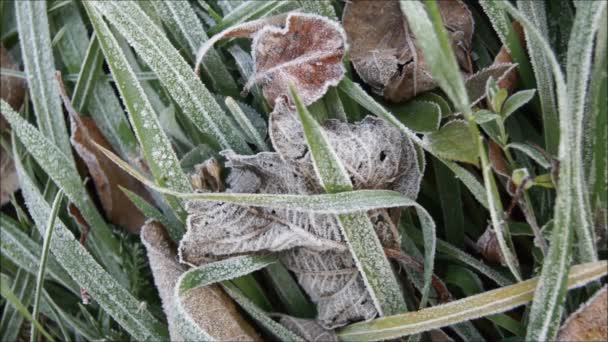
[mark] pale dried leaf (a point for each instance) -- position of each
(107, 176)
(210, 308)
(308, 329)
(383, 49)
(589, 322)
(376, 155)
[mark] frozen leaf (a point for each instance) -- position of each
(12, 91)
(376, 156)
(589, 322)
(107, 176)
(211, 309)
(454, 141)
(384, 52)
(476, 84)
(306, 52)
(489, 248)
(309, 329)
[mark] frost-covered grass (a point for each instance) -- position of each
(533, 170)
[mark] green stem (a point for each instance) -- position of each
(48, 234)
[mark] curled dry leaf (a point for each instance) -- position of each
(12, 90)
(209, 306)
(384, 52)
(489, 247)
(306, 50)
(376, 156)
(589, 322)
(510, 80)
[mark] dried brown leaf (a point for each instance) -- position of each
(589, 322)
(375, 154)
(107, 176)
(489, 247)
(383, 49)
(209, 306)
(308, 329)
(12, 90)
(511, 79)
(305, 50)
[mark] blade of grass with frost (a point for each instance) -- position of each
(337, 203)
(320, 7)
(175, 74)
(46, 243)
(7, 292)
(548, 300)
(93, 94)
(150, 211)
(25, 252)
(355, 92)
(246, 124)
(580, 51)
(357, 229)
(246, 11)
(35, 41)
(64, 174)
(535, 11)
(185, 25)
(288, 291)
(245, 65)
(81, 266)
(484, 304)
(156, 147)
(441, 62)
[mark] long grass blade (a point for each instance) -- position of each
(484, 304)
(35, 41)
(357, 229)
(46, 243)
(12, 320)
(174, 73)
(156, 147)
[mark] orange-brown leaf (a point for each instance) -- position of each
(589, 322)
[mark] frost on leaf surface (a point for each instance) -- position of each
(383, 49)
(305, 50)
(208, 307)
(376, 156)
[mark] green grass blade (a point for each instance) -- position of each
(93, 95)
(48, 235)
(39, 64)
(184, 24)
(357, 229)
(289, 292)
(81, 266)
(65, 175)
(156, 147)
(25, 252)
(449, 197)
(535, 11)
(12, 320)
(442, 64)
(150, 211)
(465, 309)
(7, 292)
(355, 92)
(175, 74)
(246, 11)
(246, 124)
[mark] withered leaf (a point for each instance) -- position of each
(12, 90)
(209, 306)
(589, 322)
(489, 247)
(308, 329)
(383, 50)
(306, 50)
(107, 176)
(310, 245)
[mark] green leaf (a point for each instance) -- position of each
(358, 231)
(46, 243)
(23, 288)
(150, 211)
(157, 150)
(446, 110)
(247, 11)
(484, 304)
(64, 174)
(516, 101)
(419, 116)
(35, 41)
(483, 116)
(289, 292)
(531, 152)
(81, 266)
(246, 124)
(454, 141)
(175, 74)
(450, 199)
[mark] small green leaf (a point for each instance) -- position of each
(419, 116)
(516, 101)
(484, 115)
(443, 104)
(531, 152)
(454, 141)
